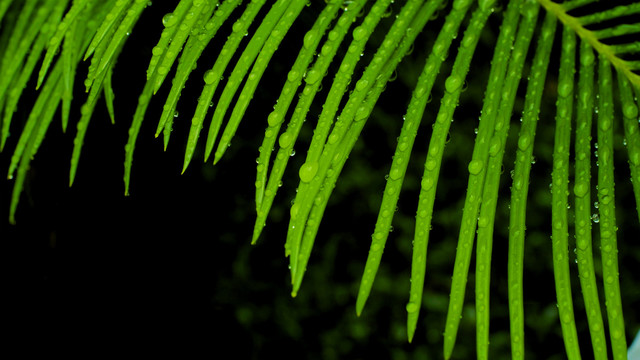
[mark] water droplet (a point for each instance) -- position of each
(359, 33)
(634, 156)
(168, 20)
(274, 119)
(630, 111)
(294, 210)
(309, 38)
(412, 307)
(362, 85)
(485, 4)
(580, 189)
(468, 40)
(210, 77)
(475, 166)
(524, 141)
(292, 76)
(395, 174)
(565, 88)
(237, 26)
(285, 140)
(557, 225)
(426, 183)
(453, 83)
(312, 77)
(308, 171)
(361, 113)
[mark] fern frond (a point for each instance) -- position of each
(193, 49)
(560, 192)
(213, 77)
(33, 133)
(325, 153)
(56, 40)
(486, 216)
(257, 45)
(24, 33)
(607, 218)
(265, 193)
(178, 29)
(398, 34)
(582, 193)
(53, 14)
(4, 6)
(270, 47)
(610, 52)
(64, 33)
(632, 136)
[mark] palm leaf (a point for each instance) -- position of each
(335, 41)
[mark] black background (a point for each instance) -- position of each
(171, 268)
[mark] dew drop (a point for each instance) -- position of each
(395, 174)
(361, 113)
(359, 33)
(496, 144)
(426, 183)
(475, 167)
(453, 83)
(485, 4)
(308, 171)
(524, 141)
(274, 119)
(294, 210)
(630, 111)
(312, 77)
(210, 77)
(168, 20)
(411, 307)
(362, 85)
(292, 76)
(580, 189)
(309, 38)
(285, 140)
(565, 88)
(237, 26)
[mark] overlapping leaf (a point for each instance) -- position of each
(63, 32)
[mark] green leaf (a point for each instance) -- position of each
(355, 48)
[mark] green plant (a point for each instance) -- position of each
(65, 33)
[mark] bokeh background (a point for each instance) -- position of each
(171, 266)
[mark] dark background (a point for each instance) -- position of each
(171, 266)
